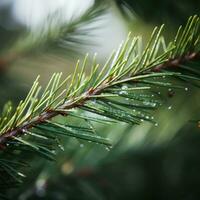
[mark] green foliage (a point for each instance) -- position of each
(124, 89)
(56, 36)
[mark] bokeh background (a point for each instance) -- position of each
(147, 161)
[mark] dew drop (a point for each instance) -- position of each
(149, 103)
(53, 151)
(124, 87)
(186, 89)
(81, 145)
(107, 149)
(154, 104)
(122, 92)
(156, 124)
(23, 130)
(170, 107)
(61, 147)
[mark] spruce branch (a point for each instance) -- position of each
(56, 36)
(119, 73)
(114, 91)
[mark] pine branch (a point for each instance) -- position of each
(117, 75)
(116, 91)
(86, 96)
(56, 36)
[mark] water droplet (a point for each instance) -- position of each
(23, 130)
(170, 107)
(81, 145)
(107, 148)
(124, 87)
(122, 92)
(61, 147)
(146, 103)
(186, 89)
(156, 124)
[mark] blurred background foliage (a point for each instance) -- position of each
(146, 161)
